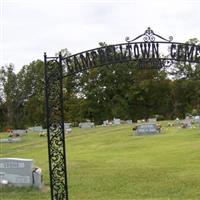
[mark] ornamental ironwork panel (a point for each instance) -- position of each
(149, 36)
(55, 128)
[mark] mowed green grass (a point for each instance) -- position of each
(111, 163)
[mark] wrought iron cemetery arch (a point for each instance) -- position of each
(146, 53)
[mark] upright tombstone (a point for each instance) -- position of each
(186, 123)
(86, 125)
(37, 129)
(129, 121)
(105, 123)
(116, 121)
(152, 120)
(16, 171)
(177, 122)
(147, 129)
(197, 120)
(19, 172)
(67, 125)
(19, 132)
(139, 121)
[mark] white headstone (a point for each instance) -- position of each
(152, 120)
(129, 121)
(37, 129)
(19, 132)
(197, 119)
(105, 123)
(86, 125)
(116, 121)
(67, 125)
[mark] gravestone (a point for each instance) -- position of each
(19, 132)
(116, 121)
(152, 120)
(139, 121)
(19, 172)
(197, 121)
(177, 122)
(105, 123)
(67, 125)
(16, 171)
(86, 125)
(37, 129)
(10, 140)
(186, 124)
(129, 121)
(147, 129)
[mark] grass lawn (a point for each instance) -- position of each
(111, 163)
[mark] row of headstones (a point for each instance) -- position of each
(116, 121)
(15, 136)
(187, 122)
(20, 172)
(151, 126)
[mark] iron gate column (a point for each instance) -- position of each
(55, 127)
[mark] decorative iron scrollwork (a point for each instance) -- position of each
(55, 129)
(165, 63)
(149, 36)
(154, 63)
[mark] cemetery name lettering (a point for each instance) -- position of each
(149, 51)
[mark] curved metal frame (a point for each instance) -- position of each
(56, 68)
(124, 52)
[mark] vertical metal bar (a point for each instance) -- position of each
(62, 123)
(47, 118)
(55, 127)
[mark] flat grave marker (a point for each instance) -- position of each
(10, 140)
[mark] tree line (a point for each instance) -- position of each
(120, 90)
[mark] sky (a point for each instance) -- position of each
(28, 28)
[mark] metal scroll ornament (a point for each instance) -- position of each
(149, 36)
(165, 63)
(154, 63)
(55, 129)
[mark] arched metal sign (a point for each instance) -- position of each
(153, 51)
